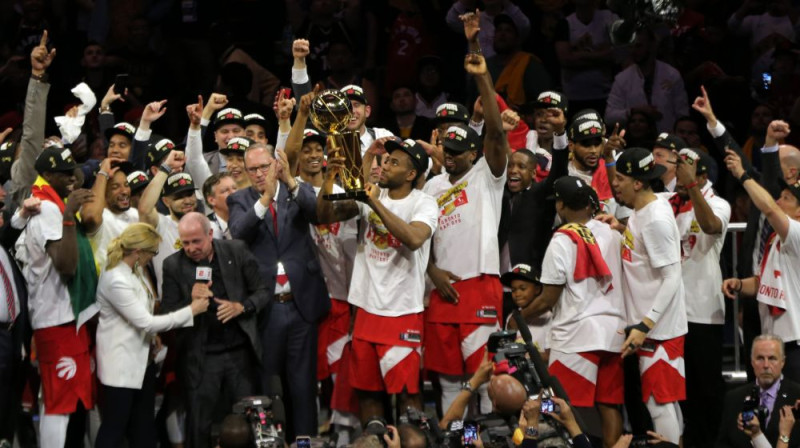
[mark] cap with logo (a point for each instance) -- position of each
(520, 272)
(574, 192)
(583, 129)
(551, 99)
(257, 119)
(793, 188)
(236, 146)
(588, 114)
(417, 153)
(639, 164)
(669, 141)
(137, 180)
(122, 128)
(312, 135)
(700, 159)
(158, 149)
(228, 116)
(55, 159)
(7, 152)
(451, 112)
(460, 138)
(178, 183)
(355, 93)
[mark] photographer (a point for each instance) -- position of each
(527, 434)
(753, 429)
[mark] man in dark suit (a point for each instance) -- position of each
(771, 391)
(272, 217)
(223, 348)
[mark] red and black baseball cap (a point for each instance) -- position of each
(793, 188)
(520, 272)
(355, 93)
(451, 112)
(461, 138)
(417, 153)
(639, 164)
(122, 128)
(551, 99)
(236, 146)
(312, 135)
(138, 180)
(669, 141)
(228, 116)
(583, 129)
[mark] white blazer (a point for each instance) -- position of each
(126, 326)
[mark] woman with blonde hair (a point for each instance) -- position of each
(127, 326)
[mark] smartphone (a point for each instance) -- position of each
(470, 433)
(303, 442)
(648, 346)
(286, 92)
(766, 79)
(121, 83)
(549, 407)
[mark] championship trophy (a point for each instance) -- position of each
(330, 112)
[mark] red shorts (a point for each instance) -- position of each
(589, 377)
(65, 367)
(480, 302)
(442, 342)
(386, 353)
(663, 374)
(332, 336)
(343, 397)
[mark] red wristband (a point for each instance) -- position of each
(69, 223)
(692, 185)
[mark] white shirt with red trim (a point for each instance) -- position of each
(113, 225)
(170, 243)
(590, 313)
(702, 276)
(650, 242)
(388, 277)
(780, 286)
(48, 297)
(336, 247)
(465, 242)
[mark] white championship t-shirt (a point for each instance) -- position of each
(388, 277)
(48, 296)
(650, 242)
(465, 242)
(590, 313)
(336, 247)
(113, 225)
(702, 276)
(780, 285)
(170, 243)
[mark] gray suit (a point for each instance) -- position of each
(202, 373)
(23, 174)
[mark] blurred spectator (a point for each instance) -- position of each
(648, 84)
(689, 131)
(405, 123)
(344, 71)
(760, 118)
(583, 46)
(492, 9)
(518, 75)
(430, 89)
(640, 130)
(322, 26)
(766, 30)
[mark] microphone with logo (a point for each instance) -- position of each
(202, 274)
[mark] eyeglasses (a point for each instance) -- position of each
(256, 169)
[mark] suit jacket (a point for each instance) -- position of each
(292, 246)
(242, 281)
(528, 225)
(730, 436)
(22, 331)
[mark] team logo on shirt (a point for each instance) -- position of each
(380, 236)
(324, 229)
(325, 233)
(449, 201)
(177, 245)
(627, 245)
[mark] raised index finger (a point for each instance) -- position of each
(43, 41)
(705, 95)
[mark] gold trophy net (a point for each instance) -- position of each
(330, 112)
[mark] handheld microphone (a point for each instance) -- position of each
(202, 274)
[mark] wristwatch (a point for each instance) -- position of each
(531, 432)
(783, 438)
(467, 387)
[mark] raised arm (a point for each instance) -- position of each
(294, 143)
(92, 212)
(106, 117)
(722, 138)
(301, 84)
(283, 112)
(196, 164)
(412, 234)
(709, 222)
(151, 194)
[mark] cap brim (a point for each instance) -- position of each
(114, 131)
(219, 123)
(785, 186)
(126, 167)
(321, 139)
(228, 152)
(139, 186)
(181, 189)
(508, 277)
(391, 145)
(657, 172)
(359, 98)
(448, 144)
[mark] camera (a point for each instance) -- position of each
(505, 348)
(265, 419)
(377, 426)
(454, 435)
(751, 407)
(428, 425)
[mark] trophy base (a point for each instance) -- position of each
(358, 195)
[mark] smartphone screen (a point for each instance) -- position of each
(547, 406)
(121, 83)
(470, 433)
(303, 442)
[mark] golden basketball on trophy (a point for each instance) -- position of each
(330, 112)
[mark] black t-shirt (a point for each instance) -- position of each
(221, 337)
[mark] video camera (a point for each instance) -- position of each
(266, 418)
(504, 347)
(751, 407)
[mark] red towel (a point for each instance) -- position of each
(590, 262)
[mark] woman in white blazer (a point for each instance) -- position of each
(124, 333)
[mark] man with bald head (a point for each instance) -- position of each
(790, 162)
(222, 349)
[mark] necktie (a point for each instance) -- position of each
(763, 237)
(274, 217)
(9, 293)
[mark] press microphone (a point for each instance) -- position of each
(202, 273)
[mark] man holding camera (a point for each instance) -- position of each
(762, 402)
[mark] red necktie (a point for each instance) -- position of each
(9, 292)
(274, 217)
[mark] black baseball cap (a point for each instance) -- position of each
(551, 99)
(236, 146)
(228, 116)
(178, 183)
(669, 141)
(583, 129)
(7, 152)
(138, 180)
(413, 149)
(55, 159)
(793, 188)
(355, 93)
(312, 135)
(574, 192)
(639, 164)
(588, 114)
(461, 138)
(122, 128)
(255, 119)
(696, 157)
(451, 112)
(520, 272)
(158, 149)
